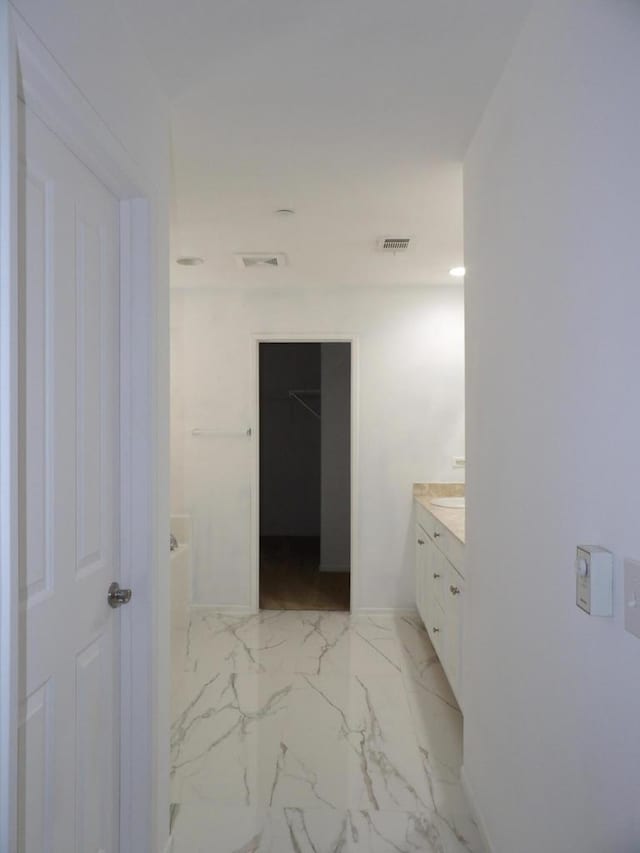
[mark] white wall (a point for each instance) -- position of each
(411, 419)
(552, 219)
(335, 475)
(88, 41)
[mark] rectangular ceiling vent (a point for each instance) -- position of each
(250, 260)
(394, 244)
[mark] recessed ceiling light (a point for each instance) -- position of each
(457, 272)
(284, 211)
(190, 261)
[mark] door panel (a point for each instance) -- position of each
(68, 743)
(92, 748)
(90, 245)
(36, 580)
(34, 822)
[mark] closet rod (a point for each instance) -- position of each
(295, 395)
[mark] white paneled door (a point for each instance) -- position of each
(69, 719)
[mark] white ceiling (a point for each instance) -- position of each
(356, 113)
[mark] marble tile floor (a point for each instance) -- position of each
(314, 732)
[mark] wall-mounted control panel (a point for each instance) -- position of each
(594, 580)
(632, 597)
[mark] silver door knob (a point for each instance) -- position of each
(454, 590)
(117, 597)
(436, 576)
(436, 535)
(436, 630)
(420, 541)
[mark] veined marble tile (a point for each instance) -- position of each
(225, 743)
(201, 828)
(204, 827)
(261, 642)
(178, 668)
(420, 664)
(313, 732)
(315, 831)
(349, 742)
(438, 726)
(315, 643)
(337, 644)
(175, 789)
(438, 730)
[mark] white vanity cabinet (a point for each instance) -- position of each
(422, 550)
(440, 589)
(453, 593)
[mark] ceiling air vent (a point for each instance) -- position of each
(248, 260)
(394, 244)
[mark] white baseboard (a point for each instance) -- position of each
(234, 609)
(385, 611)
(243, 610)
(482, 827)
(168, 847)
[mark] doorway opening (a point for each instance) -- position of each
(305, 475)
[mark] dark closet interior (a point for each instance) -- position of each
(305, 488)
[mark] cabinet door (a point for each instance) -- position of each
(437, 574)
(437, 628)
(432, 576)
(421, 560)
(454, 593)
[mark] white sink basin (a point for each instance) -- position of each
(449, 503)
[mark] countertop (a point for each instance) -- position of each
(452, 519)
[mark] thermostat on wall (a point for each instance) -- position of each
(594, 580)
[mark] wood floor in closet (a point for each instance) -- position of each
(290, 578)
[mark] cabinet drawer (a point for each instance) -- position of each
(436, 628)
(451, 547)
(454, 591)
(442, 537)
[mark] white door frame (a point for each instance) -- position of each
(8, 432)
(41, 83)
(314, 338)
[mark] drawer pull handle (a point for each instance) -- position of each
(420, 541)
(454, 590)
(435, 534)
(436, 576)
(436, 630)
